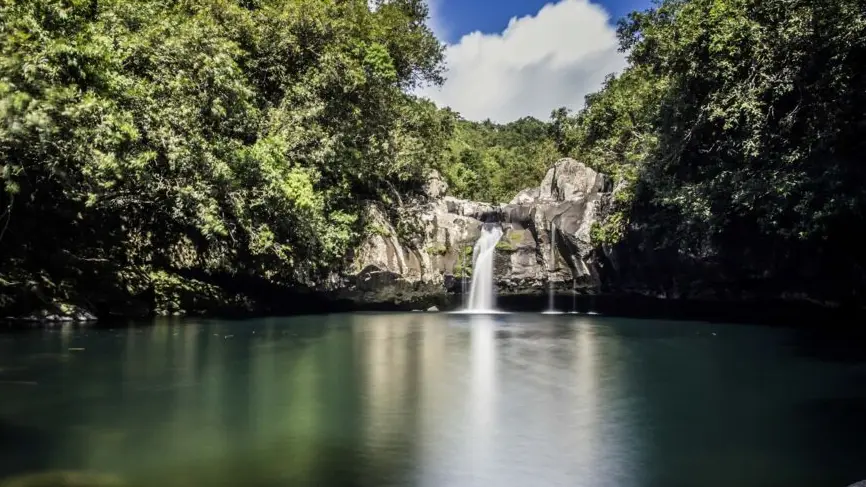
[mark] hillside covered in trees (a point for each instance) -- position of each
(228, 138)
(151, 147)
(492, 162)
(738, 136)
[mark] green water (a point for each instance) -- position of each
(435, 400)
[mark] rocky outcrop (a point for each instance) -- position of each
(546, 237)
(37, 307)
(561, 212)
(387, 268)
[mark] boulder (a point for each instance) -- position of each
(435, 187)
(569, 180)
(526, 197)
(84, 315)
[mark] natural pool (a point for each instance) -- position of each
(427, 399)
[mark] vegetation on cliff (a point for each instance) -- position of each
(152, 150)
(738, 133)
(493, 162)
(203, 137)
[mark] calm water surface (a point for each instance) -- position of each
(436, 400)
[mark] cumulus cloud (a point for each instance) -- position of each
(437, 22)
(538, 63)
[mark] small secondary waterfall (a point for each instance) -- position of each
(481, 294)
(550, 267)
(463, 277)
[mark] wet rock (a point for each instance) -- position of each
(432, 309)
(385, 268)
(58, 312)
(84, 315)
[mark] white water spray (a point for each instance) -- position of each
(481, 294)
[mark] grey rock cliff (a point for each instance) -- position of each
(388, 268)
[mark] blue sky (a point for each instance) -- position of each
(552, 55)
(460, 17)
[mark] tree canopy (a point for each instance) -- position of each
(737, 132)
(233, 136)
(493, 162)
(240, 137)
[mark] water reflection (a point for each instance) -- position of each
(482, 394)
(422, 399)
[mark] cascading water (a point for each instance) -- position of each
(481, 295)
(463, 277)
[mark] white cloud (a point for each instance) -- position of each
(538, 63)
(436, 21)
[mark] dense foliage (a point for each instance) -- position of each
(493, 162)
(738, 133)
(144, 143)
(227, 137)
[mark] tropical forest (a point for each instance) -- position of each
(158, 147)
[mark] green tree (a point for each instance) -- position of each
(224, 137)
(739, 127)
(491, 162)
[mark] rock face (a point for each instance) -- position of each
(56, 312)
(436, 257)
(561, 212)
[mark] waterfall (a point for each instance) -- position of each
(463, 276)
(481, 294)
(550, 308)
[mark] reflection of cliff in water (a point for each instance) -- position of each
(434, 399)
(209, 404)
(277, 406)
(344, 400)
